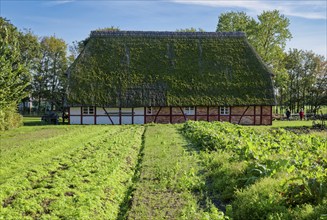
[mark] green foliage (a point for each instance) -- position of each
(272, 32)
(236, 21)
(9, 118)
(49, 81)
(260, 201)
(166, 71)
(300, 76)
(268, 35)
(29, 49)
(307, 82)
(263, 173)
(13, 75)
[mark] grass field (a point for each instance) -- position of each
(138, 172)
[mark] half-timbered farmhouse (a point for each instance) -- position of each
(136, 77)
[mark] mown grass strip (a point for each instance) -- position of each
(125, 206)
(168, 178)
(88, 182)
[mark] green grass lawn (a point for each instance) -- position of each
(36, 120)
(32, 121)
(282, 124)
(304, 126)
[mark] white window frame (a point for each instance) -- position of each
(189, 110)
(88, 110)
(224, 110)
(149, 110)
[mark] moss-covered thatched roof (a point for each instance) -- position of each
(135, 68)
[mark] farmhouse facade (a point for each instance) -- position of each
(136, 77)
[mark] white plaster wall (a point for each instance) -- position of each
(88, 120)
(100, 111)
(139, 111)
(114, 114)
(139, 120)
(126, 120)
(103, 120)
(113, 110)
(126, 110)
(75, 120)
(115, 120)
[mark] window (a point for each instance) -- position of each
(88, 110)
(224, 110)
(149, 110)
(189, 111)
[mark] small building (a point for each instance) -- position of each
(139, 77)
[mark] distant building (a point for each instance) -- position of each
(136, 77)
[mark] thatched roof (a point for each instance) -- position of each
(135, 68)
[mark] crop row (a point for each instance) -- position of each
(28, 147)
(263, 174)
(85, 176)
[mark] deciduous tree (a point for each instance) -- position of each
(307, 80)
(268, 35)
(49, 81)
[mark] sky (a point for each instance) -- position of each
(73, 20)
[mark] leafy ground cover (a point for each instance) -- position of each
(264, 173)
(80, 172)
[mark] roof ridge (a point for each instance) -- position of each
(165, 34)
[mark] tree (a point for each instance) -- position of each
(307, 80)
(314, 86)
(13, 75)
(29, 48)
(236, 21)
(30, 55)
(75, 49)
(268, 35)
(271, 35)
(49, 80)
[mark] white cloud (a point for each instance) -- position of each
(58, 2)
(303, 9)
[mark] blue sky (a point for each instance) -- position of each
(72, 20)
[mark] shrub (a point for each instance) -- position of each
(261, 200)
(9, 118)
(223, 176)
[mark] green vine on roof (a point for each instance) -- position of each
(132, 71)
